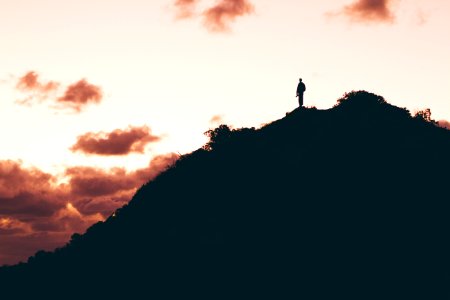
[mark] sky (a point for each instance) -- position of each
(99, 96)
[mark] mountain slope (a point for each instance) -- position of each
(347, 202)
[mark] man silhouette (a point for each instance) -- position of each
(301, 88)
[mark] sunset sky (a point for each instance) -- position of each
(98, 96)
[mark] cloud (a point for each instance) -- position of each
(36, 89)
(102, 191)
(30, 82)
(444, 124)
(158, 164)
(16, 247)
(70, 219)
(369, 11)
(117, 142)
(75, 97)
(80, 94)
(93, 182)
(104, 205)
(25, 191)
(218, 17)
(37, 212)
(185, 8)
(10, 226)
(216, 120)
(421, 18)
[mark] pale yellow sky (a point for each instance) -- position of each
(174, 76)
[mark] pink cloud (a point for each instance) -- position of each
(30, 82)
(75, 97)
(80, 94)
(36, 89)
(370, 11)
(185, 8)
(117, 142)
(444, 124)
(216, 120)
(218, 17)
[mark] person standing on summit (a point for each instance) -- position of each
(301, 88)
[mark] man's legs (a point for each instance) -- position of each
(300, 99)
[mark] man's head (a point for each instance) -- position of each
(300, 80)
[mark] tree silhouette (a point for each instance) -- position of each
(217, 136)
(425, 115)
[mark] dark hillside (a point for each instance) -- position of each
(349, 202)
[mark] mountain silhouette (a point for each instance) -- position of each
(350, 202)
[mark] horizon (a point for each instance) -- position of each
(99, 91)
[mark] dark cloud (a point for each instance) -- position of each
(14, 179)
(218, 17)
(19, 247)
(10, 226)
(25, 191)
(370, 11)
(185, 8)
(28, 196)
(103, 191)
(80, 94)
(37, 212)
(117, 142)
(104, 205)
(444, 124)
(93, 182)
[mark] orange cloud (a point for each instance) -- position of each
(30, 82)
(370, 11)
(80, 94)
(117, 142)
(218, 17)
(444, 124)
(185, 8)
(75, 97)
(10, 226)
(216, 120)
(38, 213)
(158, 164)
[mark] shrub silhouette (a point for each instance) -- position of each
(346, 203)
(360, 99)
(425, 115)
(217, 136)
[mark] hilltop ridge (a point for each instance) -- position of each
(347, 202)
